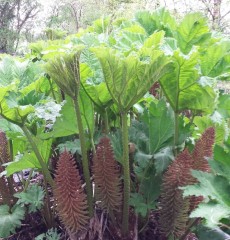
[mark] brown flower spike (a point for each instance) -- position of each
(6, 184)
(107, 177)
(70, 197)
(4, 150)
(174, 208)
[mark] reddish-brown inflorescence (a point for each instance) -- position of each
(174, 208)
(69, 195)
(107, 177)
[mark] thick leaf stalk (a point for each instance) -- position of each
(45, 169)
(85, 162)
(126, 172)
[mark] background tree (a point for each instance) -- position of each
(15, 17)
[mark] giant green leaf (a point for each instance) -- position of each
(156, 21)
(129, 41)
(224, 105)
(193, 30)
(182, 88)
(12, 69)
(215, 61)
(13, 106)
(129, 78)
(97, 92)
(160, 121)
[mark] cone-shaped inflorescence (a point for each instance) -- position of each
(107, 177)
(70, 197)
(4, 150)
(203, 150)
(174, 208)
(6, 185)
(4, 191)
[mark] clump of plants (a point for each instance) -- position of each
(120, 131)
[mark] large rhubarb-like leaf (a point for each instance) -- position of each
(193, 30)
(160, 121)
(215, 61)
(129, 78)
(158, 20)
(181, 85)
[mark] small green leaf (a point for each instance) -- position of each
(210, 187)
(10, 220)
(70, 146)
(162, 159)
(33, 197)
(211, 212)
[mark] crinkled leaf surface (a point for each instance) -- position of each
(23, 70)
(129, 78)
(158, 20)
(181, 85)
(70, 146)
(215, 61)
(193, 30)
(10, 220)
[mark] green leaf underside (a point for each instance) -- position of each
(181, 85)
(128, 78)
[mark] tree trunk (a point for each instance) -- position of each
(216, 14)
